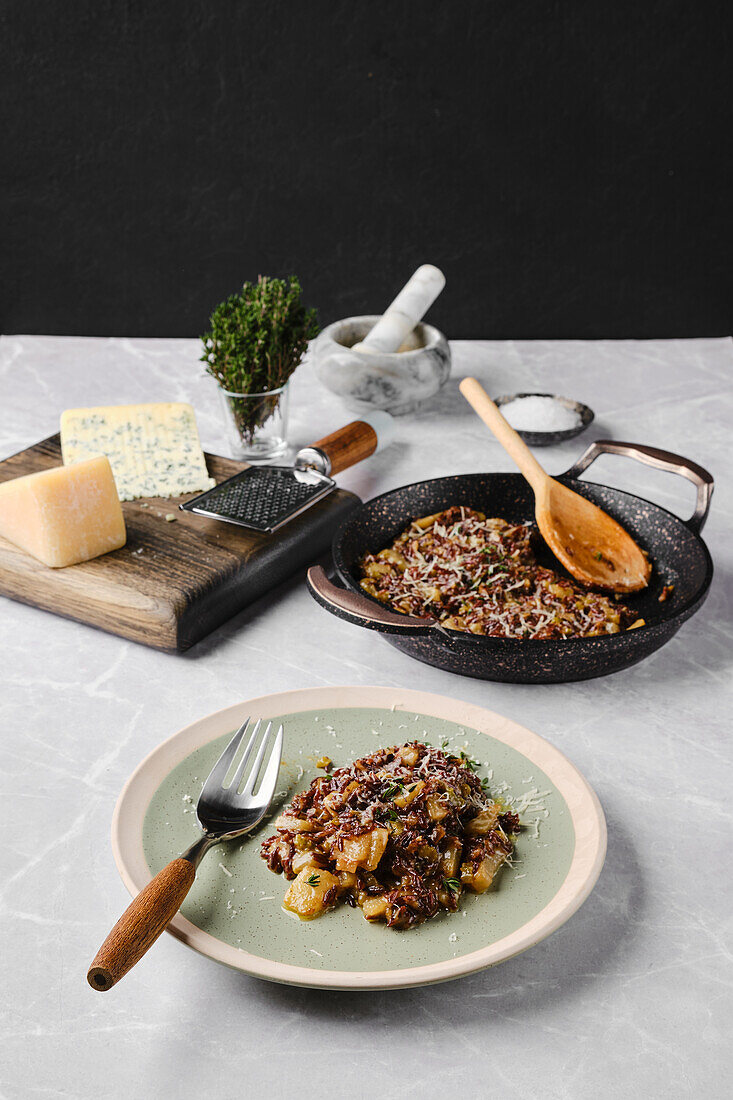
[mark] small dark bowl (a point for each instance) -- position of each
(545, 439)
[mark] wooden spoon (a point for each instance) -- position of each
(593, 547)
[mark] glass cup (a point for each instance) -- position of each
(256, 423)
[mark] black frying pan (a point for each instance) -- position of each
(678, 554)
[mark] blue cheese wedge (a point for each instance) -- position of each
(154, 450)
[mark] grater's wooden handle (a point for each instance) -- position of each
(348, 445)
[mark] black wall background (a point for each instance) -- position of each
(566, 163)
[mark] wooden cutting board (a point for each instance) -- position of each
(173, 583)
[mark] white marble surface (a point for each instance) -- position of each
(632, 997)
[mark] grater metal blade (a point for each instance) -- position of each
(262, 498)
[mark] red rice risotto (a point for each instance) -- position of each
(401, 833)
(480, 575)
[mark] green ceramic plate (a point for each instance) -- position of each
(234, 914)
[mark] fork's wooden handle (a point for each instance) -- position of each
(141, 924)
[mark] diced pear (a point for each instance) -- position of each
(306, 893)
(451, 858)
(294, 824)
(437, 807)
(375, 908)
(410, 794)
(304, 859)
(480, 880)
(409, 755)
(362, 851)
(484, 821)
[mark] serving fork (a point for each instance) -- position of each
(224, 813)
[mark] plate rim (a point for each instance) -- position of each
(584, 806)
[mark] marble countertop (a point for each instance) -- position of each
(632, 996)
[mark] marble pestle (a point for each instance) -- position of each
(409, 307)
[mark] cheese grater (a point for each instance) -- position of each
(265, 498)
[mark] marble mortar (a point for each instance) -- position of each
(397, 382)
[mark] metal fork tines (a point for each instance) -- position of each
(228, 806)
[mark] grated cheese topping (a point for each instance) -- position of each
(480, 575)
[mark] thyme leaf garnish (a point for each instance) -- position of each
(469, 762)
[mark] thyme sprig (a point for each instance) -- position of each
(389, 813)
(254, 342)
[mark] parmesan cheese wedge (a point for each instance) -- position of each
(154, 449)
(64, 515)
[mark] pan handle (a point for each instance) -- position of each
(360, 610)
(663, 460)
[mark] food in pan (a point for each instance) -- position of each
(400, 833)
(480, 575)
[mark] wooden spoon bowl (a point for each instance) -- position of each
(594, 548)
